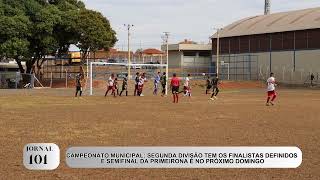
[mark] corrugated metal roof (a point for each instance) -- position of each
(272, 23)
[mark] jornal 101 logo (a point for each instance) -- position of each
(41, 156)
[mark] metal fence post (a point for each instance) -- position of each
(283, 71)
(16, 83)
(32, 80)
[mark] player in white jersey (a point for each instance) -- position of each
(187, 87)
(271, 90)
(111, 85)
(142, 79)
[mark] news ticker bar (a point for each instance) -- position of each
(46, 156)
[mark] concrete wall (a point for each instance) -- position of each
(175, 59)
(196, 61)
(308, 60)
(289, 66)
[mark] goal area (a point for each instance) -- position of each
(99, 73)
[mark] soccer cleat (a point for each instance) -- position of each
(267, 104)
(272, 103)
(212, 99)
(215, 97)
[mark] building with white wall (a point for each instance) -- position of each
(189, 57)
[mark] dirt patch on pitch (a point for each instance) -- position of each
(235, 119)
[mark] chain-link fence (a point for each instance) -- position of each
(231, 67)
(16, 80)
(287, 75)
(238, 67)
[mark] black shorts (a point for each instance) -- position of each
(79, 88)
(209, 87)
(175, 89)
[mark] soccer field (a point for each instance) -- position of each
(237, 118)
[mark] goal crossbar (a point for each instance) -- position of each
(126, 65)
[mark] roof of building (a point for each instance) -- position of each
(152, 51)
(187, 47)
(272, 23)
(186, 41)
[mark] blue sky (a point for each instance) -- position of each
(184, 19)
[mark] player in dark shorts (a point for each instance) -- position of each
(124, 85)
(136, 82)
(208, 85)
(163, 81)
(312, 79)
(215, 91)
(156, 83)
(175, 83)
(78, 85)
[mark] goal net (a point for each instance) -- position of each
(100, 72)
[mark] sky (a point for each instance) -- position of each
(185, 19)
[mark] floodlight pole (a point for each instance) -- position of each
(167, 52)
(129, 55)
(218, 50)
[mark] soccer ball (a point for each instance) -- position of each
(203, 74)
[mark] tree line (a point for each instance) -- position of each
(33, 29)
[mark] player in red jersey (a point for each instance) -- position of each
(175, 83)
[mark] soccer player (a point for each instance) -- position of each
(215, 91)
(312, 79)
(136, 82)
(78, 85)
(125, 85)
(271, 88)
(111, 85)
(208, 85)
(187, 87)
(175, 83)
(156, 83)
(142, 79)
(115, 84)
(163, 81)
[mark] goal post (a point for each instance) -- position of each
(142, 67)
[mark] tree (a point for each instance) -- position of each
(32, 29)
(14, 30)
(65, 32)
(94, 32)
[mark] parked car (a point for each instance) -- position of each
(112, 61)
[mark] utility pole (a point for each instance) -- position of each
(128, 26)
(166, 40)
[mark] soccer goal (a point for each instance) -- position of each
(99, 73)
